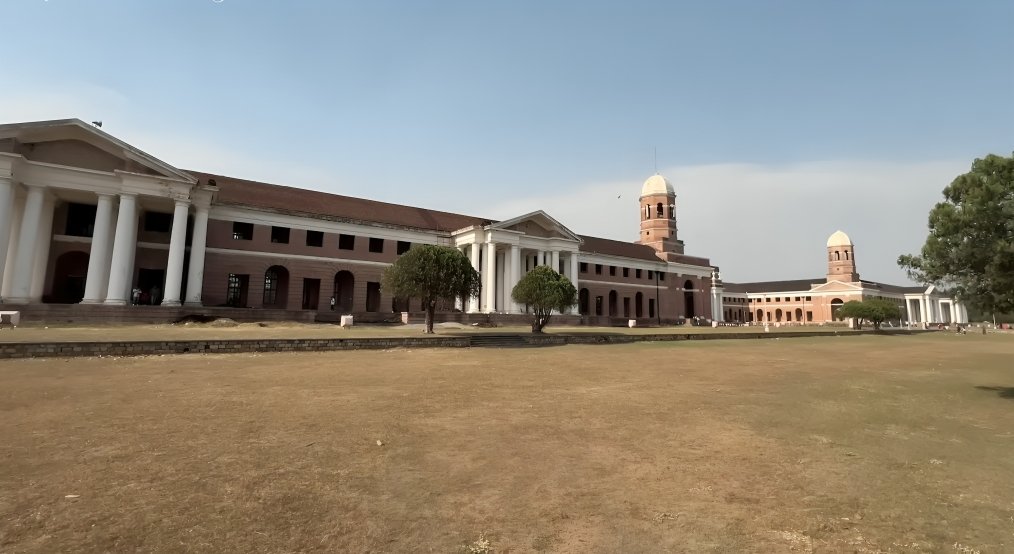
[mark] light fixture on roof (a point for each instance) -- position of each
(97, 124)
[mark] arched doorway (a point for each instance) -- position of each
(582, 302)
(344, 283)
(836, 305)
(799, 314)
(612, 304)
(688, 299)
(69, 274)
(276, 287)
(778, 314)
(638, 301)
(760, 315)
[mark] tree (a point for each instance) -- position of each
(544, 290)
(874, 310)
(970, 247)
(431, 273)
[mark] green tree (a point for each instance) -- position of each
(544, 290)
(431, 273)
(970, 247)
(874, 310)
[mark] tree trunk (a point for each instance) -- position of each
(431, 307)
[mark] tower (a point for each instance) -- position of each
(841, 259)
(658, 216)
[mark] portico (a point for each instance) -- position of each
(504, 252)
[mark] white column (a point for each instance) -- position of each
(198, 244)
(555, 260)
(924, 309)
(98, 258)
(574, 264)
(473, 302)
(24, 260)
(908, 310)
(489, 277)
(954, 313)
(121, 268)
(12, 250)
(515, 266)
(43, 241)
(177, 248)
(6, 209)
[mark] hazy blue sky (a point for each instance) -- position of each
(778, 122)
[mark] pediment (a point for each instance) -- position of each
(537, 224)
(837, 286)
(73, 143)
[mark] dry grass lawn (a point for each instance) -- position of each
(844, 444)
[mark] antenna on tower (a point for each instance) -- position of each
(654, 151)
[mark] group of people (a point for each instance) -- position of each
(139, 297)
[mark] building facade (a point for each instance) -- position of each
(87, 219)
(809, 301)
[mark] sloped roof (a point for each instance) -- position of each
(795, 285)
(278, 198)
(608, 247)
(893, 288)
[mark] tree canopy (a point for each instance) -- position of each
(431, 273)
(970, 247)
(874, 310)
(544, 290)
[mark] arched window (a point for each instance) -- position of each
(270, 286)
(778, 314)
(760, 315)
(846, 255)
(837, 255)
(836, 305)
(659, 210)
(688, 299)
(613, 309)
(647, 211)
(672, 211)
(799, 314)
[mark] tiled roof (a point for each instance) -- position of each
(774, 286)
(608, 247)
(278, 198)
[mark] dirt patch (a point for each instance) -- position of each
(825, 445)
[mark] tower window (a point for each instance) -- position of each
(846, 255)
(659, 211)
(837, 255)
(672, 211)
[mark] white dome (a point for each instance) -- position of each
(839, 239)
(657, 184)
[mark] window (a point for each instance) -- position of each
(672, 211)
(626, 272)
(403, 246)
(155, 222)
(651, 307)
(661, 276)
(280, 235)
(598, 271)
(270, 286)
(584, 267)
(376, 245)
(612, 270)
(80, 220)
(651, 275)
(807, 298)
(234, 294)
(809, 316)
(315, 238)
(659, 211)
(598, 305)
(346, 242)
(242, 231)
(778, 299)
(768, 299)
(637, 273)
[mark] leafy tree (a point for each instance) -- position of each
(544, 290)
(874, 310)
(431, 273)
(970, 247)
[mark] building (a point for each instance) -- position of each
(817, 300)
(105, 230)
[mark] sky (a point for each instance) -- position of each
(778, 122)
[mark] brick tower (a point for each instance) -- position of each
(658, 216)
(841, 259)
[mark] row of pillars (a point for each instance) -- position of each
(113, 246)
(486, 255)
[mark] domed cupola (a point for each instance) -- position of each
(841, 259)
(658, 215)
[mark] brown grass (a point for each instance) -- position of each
(849, 444)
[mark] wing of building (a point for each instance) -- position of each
(89, 221)
(818, 299)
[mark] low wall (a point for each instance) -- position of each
(147, 348)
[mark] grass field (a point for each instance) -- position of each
(841, 444)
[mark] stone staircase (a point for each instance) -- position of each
(498, 341)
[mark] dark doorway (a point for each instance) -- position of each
(276, 287)
(150, 281)
(344, 283)
(638, 305)
(311, 294)
(399, 305)
(613, 311)
(69, 274)
(626, 306)
(372, 297)
(582, 302)
(236, 293)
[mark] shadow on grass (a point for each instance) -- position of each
(1002, 392)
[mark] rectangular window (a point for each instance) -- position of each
(612, 270)
(403, 246)
(280, 235)
(778, 299)
(637, 273)
(809, 316)
(651, 275)
(584, 267)
(155, 222)
(315, 238)
(234, 294)
(651, 307)
(626, 272)
(661, 276)
(376, 245)
(768, 299)
(242, 231)
(798, 299)
(807, 298)
(346, 242)
(598, 271)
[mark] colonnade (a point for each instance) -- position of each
(501, 267)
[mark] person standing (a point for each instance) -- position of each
(333, 300)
